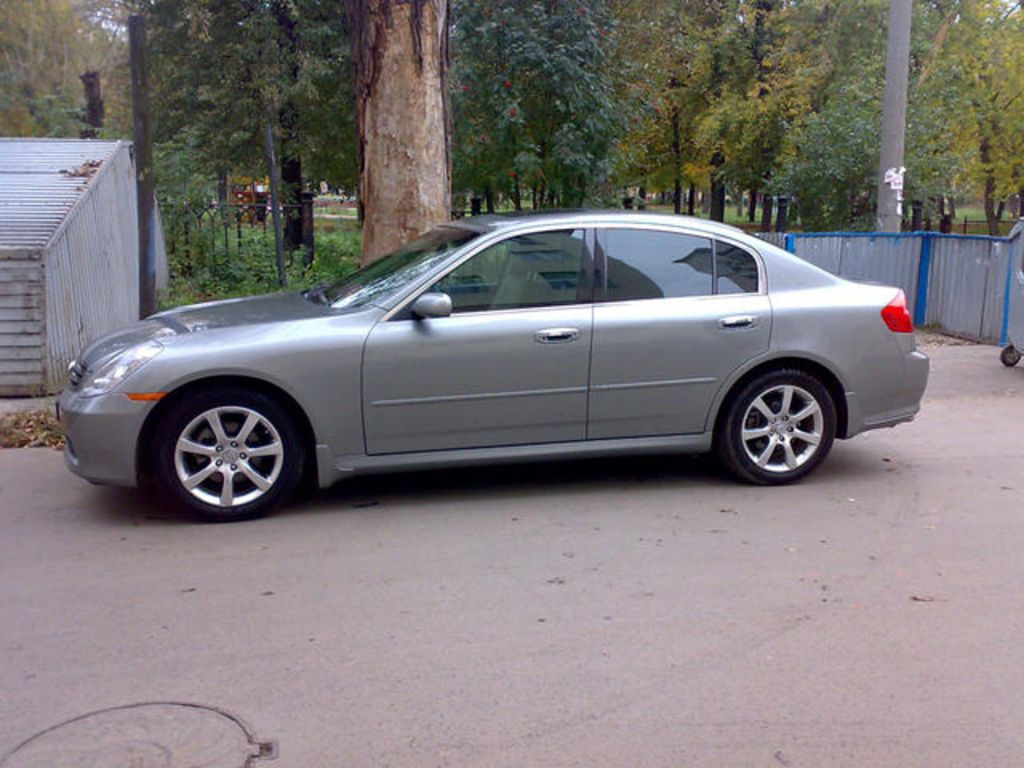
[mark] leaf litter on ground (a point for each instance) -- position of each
(31, 429)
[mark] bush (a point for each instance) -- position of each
(203, 267)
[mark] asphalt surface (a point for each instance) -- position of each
(643, 612)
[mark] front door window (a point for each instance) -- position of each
(544, 269)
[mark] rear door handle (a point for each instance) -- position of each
(556, 335)
(738, 321)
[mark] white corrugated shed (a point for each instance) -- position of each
(68, 254)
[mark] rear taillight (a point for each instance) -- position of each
(897, 316)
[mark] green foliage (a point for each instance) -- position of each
(221, 70)
(832, 173)
(39, 90)
(565, 101)
(534, 105)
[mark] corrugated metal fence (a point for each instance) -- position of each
(955, 282)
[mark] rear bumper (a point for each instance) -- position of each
(102, 435)
(902, 406)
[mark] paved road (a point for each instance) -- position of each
(615, 613)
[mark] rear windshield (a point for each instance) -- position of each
(384, 277)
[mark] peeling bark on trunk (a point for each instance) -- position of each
(400, 55)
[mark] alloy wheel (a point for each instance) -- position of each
(228, 456)
(782, 428)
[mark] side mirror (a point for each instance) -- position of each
(432, 305)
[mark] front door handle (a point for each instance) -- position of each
(738, 321)
(556, 335)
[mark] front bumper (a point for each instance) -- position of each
(102, 435)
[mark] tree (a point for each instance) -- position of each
(44, 47)
(400, 60)
(979, 75)
(223, 69)
(534, 97)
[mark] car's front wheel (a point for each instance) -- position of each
(227, 455)
(778, 428)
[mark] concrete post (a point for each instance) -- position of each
(894, 119)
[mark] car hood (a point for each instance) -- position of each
(251, 310)
(195, 318)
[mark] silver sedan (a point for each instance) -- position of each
(550, 336)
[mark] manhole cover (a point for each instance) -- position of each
(157, 735)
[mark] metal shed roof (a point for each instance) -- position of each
(40, 182)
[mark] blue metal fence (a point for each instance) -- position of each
(960, 283)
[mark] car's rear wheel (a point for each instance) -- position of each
(227, 455)
(777, 428)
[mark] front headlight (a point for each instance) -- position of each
(119, 368)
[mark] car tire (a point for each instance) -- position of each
(777, 428)
(1010, 356)
(228, 454)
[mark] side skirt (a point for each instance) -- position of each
(332, 469)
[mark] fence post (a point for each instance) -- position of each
(791, 243)
(924, 267)
(307, 226)
(1016, 234)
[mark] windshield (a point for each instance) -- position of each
(397, 269)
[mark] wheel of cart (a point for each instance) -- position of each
(1014, 322)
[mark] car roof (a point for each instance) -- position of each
(493, 222)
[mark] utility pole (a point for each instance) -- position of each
(894, 119)
(143, 146)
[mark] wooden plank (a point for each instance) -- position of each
(20, 379)
(20, 254)
(24, 314)
(21, 353)
(21, 301)
(21, 366)
(21, 289)
(20, 327)
(20, 274)
(20, 340)
(33, 387)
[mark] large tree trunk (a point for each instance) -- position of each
(93, 116)
(767, 203)
(990, 188)
(288, 120)
(400, 55)
(717, 188)
(677, 161)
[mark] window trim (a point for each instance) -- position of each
(585, 293)
(601, 263)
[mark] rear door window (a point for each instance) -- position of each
(649, 264)
(653, 264)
